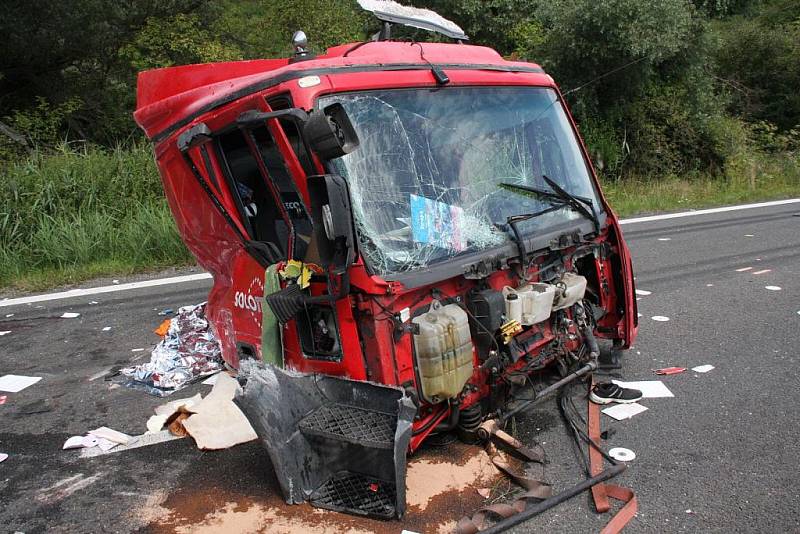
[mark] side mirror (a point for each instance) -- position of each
(334, 231)
(330, 132)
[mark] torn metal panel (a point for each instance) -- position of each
(338, 443)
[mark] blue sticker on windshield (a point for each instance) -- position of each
(437, 223)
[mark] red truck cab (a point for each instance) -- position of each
(430, 213)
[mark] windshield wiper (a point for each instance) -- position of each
(563, 197)
(516, 235)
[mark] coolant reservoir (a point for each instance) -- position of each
(572, 288)
(444, 351)
(529, 304)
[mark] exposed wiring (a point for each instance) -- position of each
(609, 73)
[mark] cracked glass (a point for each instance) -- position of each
(425, 180)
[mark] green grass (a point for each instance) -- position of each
(85, 212)
(757, 179)
(82, 213)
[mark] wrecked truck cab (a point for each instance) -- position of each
(419, 217)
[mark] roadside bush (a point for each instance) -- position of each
(85, 206)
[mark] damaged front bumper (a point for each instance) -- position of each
(336, 443)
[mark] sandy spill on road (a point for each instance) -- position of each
(442, 486)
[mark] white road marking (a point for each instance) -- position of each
(206, 276)
(666, 216)
(105, 289)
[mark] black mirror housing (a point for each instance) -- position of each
(330, 132)
(332, 215)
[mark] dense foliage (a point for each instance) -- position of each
(663, 86)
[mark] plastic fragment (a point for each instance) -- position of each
(168, 311)
(670, 370)
(70, 315)
(703, 368)
(3, 457)
(773, 288)
(4, 332)
(660, 318)
(163, 328)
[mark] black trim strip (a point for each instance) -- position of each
(292, 75)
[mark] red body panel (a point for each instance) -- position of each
(173, 100)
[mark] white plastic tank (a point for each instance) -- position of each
(444, 351)
(529, 304)
(571, 289)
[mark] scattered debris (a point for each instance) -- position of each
(70, 315)
(94, 302)
(137, 350)
(138, 441)
(9, 315)
(670, 370)
(621, 412)
(3, 457)
(4, 332)
(703, 368)
(167, 413)
(743, 269)
(773, 288)
(80, 442)
(16, 383)
(211, 380)
(763, 271)
(643, 293)
(216, 422)
(115, 281)
(163, 328)
(188, 351)
(484, 492)
(168, 311)
(709, 285)
(3, 399)
(665, 239)
(651, 389)
(660, 318)
(111, 435)
(106, 328)
(749, 235)
(622, 454)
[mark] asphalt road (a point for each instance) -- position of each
(721, 456)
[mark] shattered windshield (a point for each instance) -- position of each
(425, 182)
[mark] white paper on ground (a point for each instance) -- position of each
(137, 441)
(211, 380)
(70, 315)
(651, 389)
(74, 442)
(703, 368)
(621, 412)
(3, 456)
(165, 411)
(111, 435)
(106, 445)
(16, 383)
(217, 423)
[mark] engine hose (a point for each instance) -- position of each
(591, 341)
